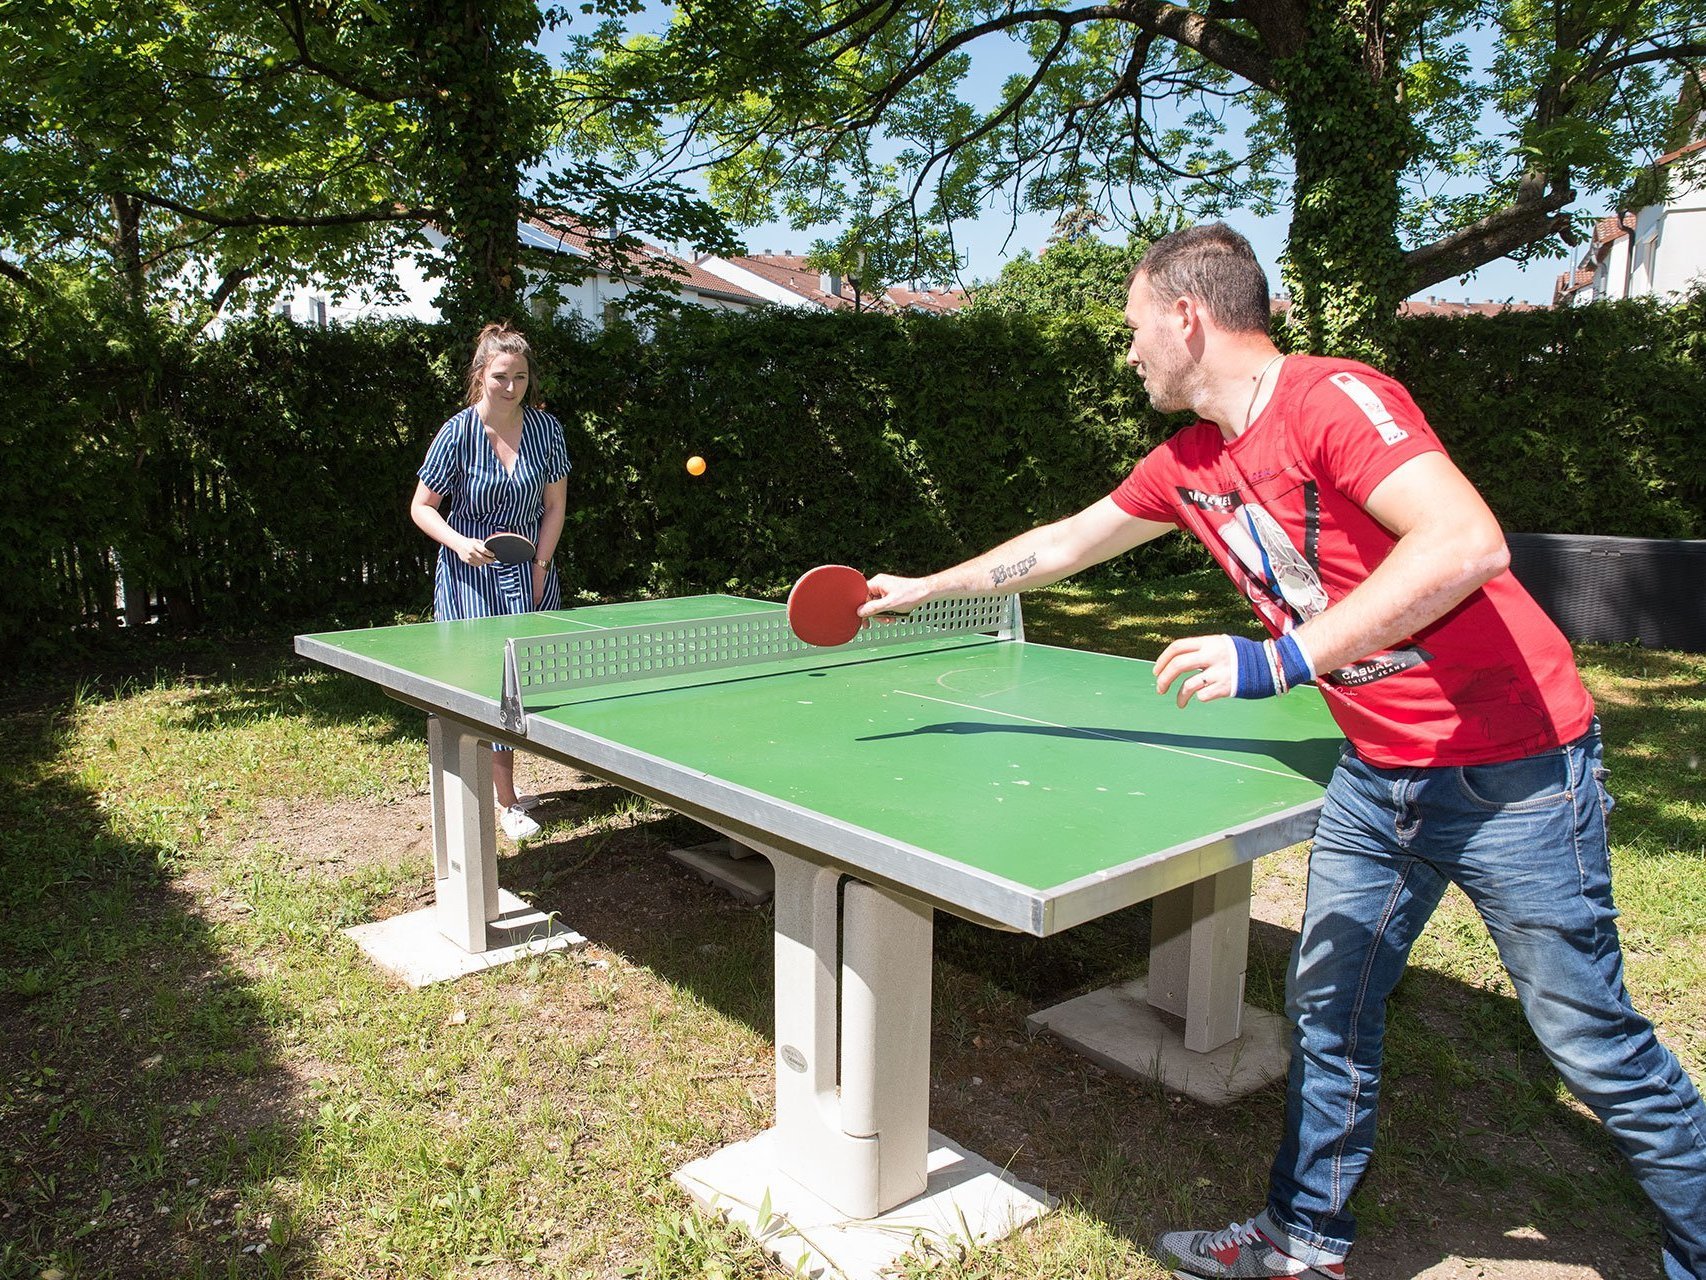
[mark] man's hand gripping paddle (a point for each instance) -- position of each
(823, 607)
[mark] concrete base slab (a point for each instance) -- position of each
(1118, 1028)
(411, 946)
(967, 1202)
(731, 866)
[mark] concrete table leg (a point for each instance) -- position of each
(851, 1177)
(473, 924)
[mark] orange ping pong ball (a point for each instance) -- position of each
(696, 466)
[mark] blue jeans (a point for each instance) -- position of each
(1526, 842)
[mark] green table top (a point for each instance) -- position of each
(1015, 781)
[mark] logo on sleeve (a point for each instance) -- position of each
(1373, 407)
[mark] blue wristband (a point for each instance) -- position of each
(1295, 667)
(1255, 673)
(1269, 667)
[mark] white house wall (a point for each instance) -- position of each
(586, 300)
(1680, 264)
(1664, 255)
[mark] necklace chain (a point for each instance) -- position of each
(1250, 408)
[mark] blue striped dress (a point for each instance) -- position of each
(480, 499)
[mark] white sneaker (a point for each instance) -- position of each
(516, 824)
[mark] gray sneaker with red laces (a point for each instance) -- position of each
(1241, 1252)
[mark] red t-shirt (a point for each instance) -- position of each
(1281, 510)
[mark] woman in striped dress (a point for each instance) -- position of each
(498, 466)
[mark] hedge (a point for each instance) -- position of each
(264, 475)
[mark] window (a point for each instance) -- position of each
(1642, 272)
(317, 311)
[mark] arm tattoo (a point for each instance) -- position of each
(1002, 572)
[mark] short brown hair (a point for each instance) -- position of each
(500, 340)
(1215, 265)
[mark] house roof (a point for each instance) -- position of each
(573, 238)
(1609, 229)
(1280, 305)
(1699, 144)
(932, 301)
(791, 272)
(1570, 283)
(1444, 307)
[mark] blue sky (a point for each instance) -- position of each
(993, 239)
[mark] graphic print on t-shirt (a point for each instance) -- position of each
(1282, 583)
(1373, 407)
(1267, 554)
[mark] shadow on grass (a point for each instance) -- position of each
(1479, 1158)
(145, 1100)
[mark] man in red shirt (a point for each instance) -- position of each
(1473, 756)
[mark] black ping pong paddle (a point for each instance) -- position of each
(511, 548)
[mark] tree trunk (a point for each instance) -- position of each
(1350, 139)
(127, 251)
(481, 126)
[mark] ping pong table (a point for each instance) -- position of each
(937, 763)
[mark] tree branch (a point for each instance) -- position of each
(297, 28)
(1213, 40)
(855, 16)
(1670, 53)
(994, 122)
(228, 285)
(1536, 212)
(23, 279)
(391, 213)
(1221, 46)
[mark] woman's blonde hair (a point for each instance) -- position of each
(500, 340)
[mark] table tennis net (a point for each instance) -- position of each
(537, 664)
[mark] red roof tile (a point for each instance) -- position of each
(1609, 229)
(791, 272)
(935, 301)
(1445, 307)
(1696, 145)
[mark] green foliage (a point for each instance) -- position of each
(266, 475)
(1418, 141)
(1351, 139)
(189, 151)
(212, 155)
(1576, 420)
(1071, 277)
(905, 441)
(485, 113)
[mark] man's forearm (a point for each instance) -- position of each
(1416, 585)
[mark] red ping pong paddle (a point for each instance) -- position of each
(511, 548)
(823, 607)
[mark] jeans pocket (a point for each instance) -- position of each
(1607, 801)
(1534, 782)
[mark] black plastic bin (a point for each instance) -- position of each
(1650, 591)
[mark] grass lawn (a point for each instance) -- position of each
(203, 1077)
